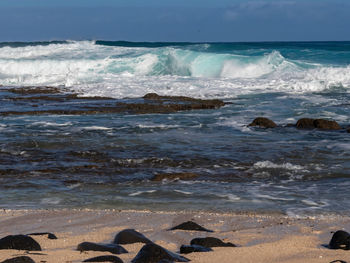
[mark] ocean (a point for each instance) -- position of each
(107, 160)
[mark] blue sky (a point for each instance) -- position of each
(180, 20)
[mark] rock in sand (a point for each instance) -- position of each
(152, 253)
(211, 242)
(130, 236)
(104, 259)
(113, 248)
(191, 226)
(20, 242)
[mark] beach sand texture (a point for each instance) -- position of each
(259, 238)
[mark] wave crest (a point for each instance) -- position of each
(124, 71)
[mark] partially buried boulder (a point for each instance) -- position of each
(130, 236)
(113, 248)
(307, 123)
(174, 176)
(152, 253)
(193, 248)
(340, 240)
(211, 242)
(20, 242)
(104, 259)
(263, 123)
(191, 226)
(49, 235)
(22, 259)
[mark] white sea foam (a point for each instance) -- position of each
(182, 192)
(96, 128)
(51, 201)
(269, 164)
(142, 192)
(230, 197)
(48, 124)
(132, 72)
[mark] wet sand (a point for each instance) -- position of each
(259, 237)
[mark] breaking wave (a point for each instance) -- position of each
(130, 71)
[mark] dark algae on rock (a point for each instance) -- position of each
(73, 104)
(263, 123)
(19, 242)
(307, 123)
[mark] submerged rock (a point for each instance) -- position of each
(113, 248)
(149, 104)
(307, 123)
(263, 123)
(152, 253)
(193, 248)
(20, 242)
(22, 259)
(211, 242)
(104, 259)
(174, 176)
(130, 236)
(190, 225)
(340, 240)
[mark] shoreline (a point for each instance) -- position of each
(259, 237)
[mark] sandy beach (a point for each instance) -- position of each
(259, 238)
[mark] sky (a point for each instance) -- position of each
(175, 20)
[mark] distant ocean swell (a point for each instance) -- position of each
(123, 69)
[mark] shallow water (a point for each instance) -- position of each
(108, 160)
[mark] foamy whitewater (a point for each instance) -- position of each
(199, 70)
(108, 160)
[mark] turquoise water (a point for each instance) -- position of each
(107, 160)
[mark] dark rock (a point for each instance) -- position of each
(190, 225)
(173, 176)
(150, 104)
(340, 240)
(20, 242)
(307, 123)
(22, 259)
(152, 253)
(104, 259)
(338, 261)
(130, 236)
(263, 123)
(165, 261)
(113, 248)
(348, 130)
(326, 124)
(49, 235)
(193, 248)
(152, 96)
(210, 242)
